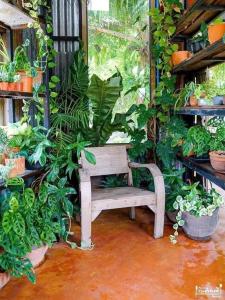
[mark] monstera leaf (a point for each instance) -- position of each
(103, 95)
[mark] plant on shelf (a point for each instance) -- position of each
(217, 145)
(197, 212)
(173, 135)
(186, 95)
(197, 142)
(200, 40)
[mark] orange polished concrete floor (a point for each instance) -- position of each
(127, 264)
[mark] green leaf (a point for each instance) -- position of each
(90, 157)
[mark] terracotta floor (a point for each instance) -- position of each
(127, 264)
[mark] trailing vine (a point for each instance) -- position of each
(46, 52)
(164, 26)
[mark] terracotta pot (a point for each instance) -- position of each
(4, 279)
(190, 2)
(216, 32)
(3, 86)
(180, 56)
(36, 256)
(193, 101)
(18, 166)
(38, 79)
(217, 160)
(14, 86)
(26, 82)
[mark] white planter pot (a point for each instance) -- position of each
(4, 279)
(36, 256)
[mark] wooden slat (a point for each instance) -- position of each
(201, 11)
(13, 16)
(109, 160)
(210, 56)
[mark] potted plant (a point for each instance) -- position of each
(186, 95)
(217, 149)
(197, 143)
(29, 226)
(200, 40)
(216, 30)
(23, 67)
(197, 212)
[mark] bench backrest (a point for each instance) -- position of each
(109, 160)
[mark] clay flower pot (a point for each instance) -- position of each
(3, 86)
(193, 101)
(217, 160)
(4, 279)
(216, 32)
(14, 86)
(200, 228)
(37, 255)
(18, 166)
(26, 82)
(37, 81)
(180, 56)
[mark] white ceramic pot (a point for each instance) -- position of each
(36, 256)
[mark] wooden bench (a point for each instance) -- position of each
(114, 160)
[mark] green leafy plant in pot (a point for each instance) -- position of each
(217, 148)
(197, 212)
(197, 142)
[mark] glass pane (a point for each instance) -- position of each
(118, 39)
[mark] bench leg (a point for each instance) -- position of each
(85, 224)
(159, 223)
(132, 213)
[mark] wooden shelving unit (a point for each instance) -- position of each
(208, 57)
(201, 11)
(13, 16)
(218, 110)
(26, 175)
(204, 169)
(188, 25)
(17, 95)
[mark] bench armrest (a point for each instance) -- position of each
(157, 177)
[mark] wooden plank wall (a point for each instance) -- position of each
(66, 30)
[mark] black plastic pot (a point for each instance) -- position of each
(197, 46)
(30, 166)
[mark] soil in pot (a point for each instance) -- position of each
(217, 160)
(216, 32)
(200, 228)
(37, 255)
(4, 279)
(180, 56)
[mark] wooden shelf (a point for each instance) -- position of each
(218, 110)
(201, 11)
(205, 170)
(208, 57)
(26, 175)
(13, 16)
(17, 95)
